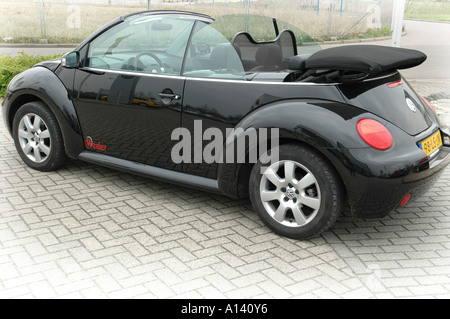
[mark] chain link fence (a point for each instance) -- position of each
(70, 21)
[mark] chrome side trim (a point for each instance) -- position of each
(244, 82)
(130, 73)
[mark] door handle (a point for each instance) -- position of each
(170, 96)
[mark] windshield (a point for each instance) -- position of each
(145, 33)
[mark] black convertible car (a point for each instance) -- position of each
(164, 94)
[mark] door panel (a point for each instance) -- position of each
(129, 90)
(126, 115)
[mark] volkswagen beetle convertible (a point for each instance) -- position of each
(149, 92)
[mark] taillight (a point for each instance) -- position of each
(375, 134)
(395, 84)
(429, 104)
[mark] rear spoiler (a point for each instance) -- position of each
(358, 62)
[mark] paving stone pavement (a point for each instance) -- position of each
(91, 232)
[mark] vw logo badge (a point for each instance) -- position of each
(290, 193)
(411, 105)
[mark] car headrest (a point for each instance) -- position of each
(225, 55)
(221, 54)
(298, 62)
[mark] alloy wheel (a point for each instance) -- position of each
(290, 193)
(34, 138)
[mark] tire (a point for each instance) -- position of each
(300, 196)
(38, 138)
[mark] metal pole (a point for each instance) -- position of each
(397, 22)
(149, 5)
(42, 19)
(330, 18)
(318, 6)
(247, 16)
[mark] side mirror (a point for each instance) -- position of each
(71, 60)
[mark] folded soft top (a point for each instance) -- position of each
(368, 59)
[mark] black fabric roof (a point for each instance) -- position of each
(368, 59)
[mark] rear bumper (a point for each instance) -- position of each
(377, 196)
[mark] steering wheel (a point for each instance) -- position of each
(153, 56)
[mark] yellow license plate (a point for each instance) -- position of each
(432, 143)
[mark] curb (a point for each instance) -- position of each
(351, 41)
(36, 45)
(354, 41)
(423, 20)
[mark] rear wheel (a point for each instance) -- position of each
(38, 138)
(299, 196)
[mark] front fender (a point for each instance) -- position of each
(327, 126)
(41, 83)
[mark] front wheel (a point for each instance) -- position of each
(38, 138)
(299, 196)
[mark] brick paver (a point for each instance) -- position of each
(90, 232)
